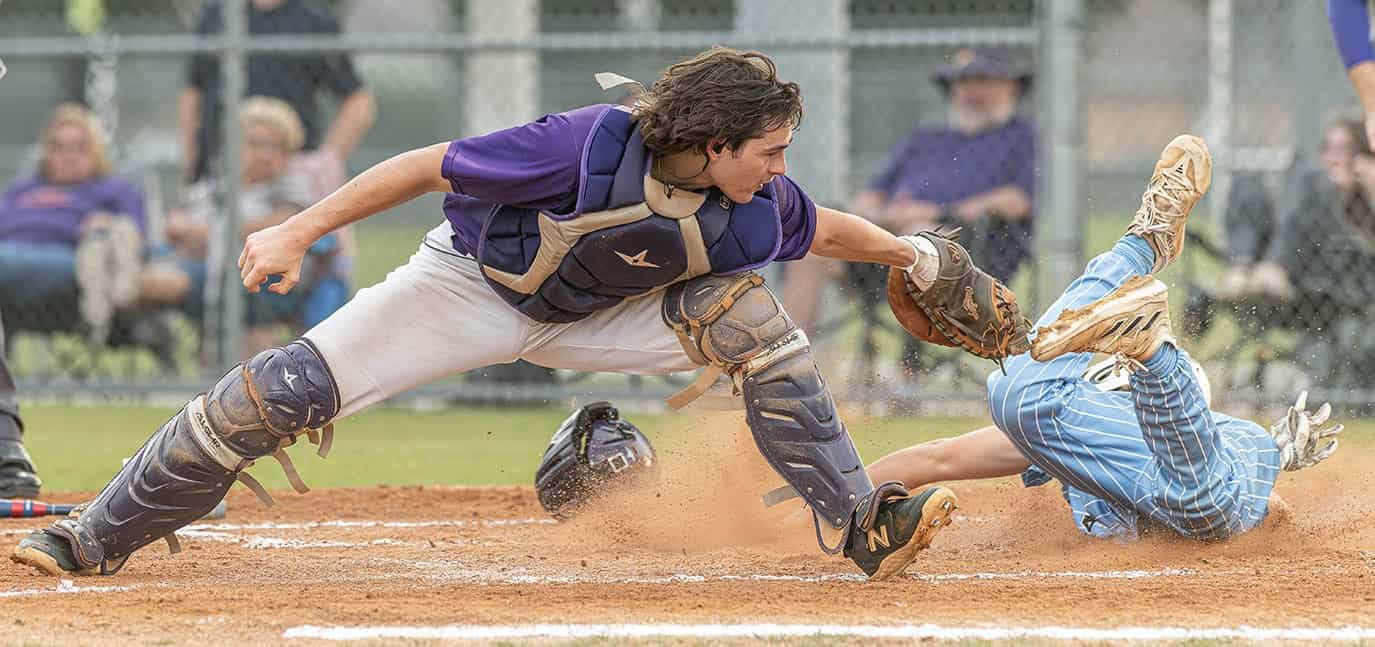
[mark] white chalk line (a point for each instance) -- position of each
(67, 587)
(268, 525)
(261, 542)
(917, 632)
(447, 573)
(449, 523)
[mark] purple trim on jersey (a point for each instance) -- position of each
(582, 164)
(1350, 21)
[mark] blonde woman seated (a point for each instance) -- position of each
(271, 191)
(73, 232)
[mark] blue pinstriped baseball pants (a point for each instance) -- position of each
(1156, 454)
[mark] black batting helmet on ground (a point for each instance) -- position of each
(592, 450)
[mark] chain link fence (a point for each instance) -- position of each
(1040, 170)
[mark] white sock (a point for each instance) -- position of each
(928, 263)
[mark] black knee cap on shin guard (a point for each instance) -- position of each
(276, 395)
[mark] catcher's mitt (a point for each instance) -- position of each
(964, 306)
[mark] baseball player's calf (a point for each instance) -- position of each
(185, 469)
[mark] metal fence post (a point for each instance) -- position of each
(818, 158)
(1220, 104)
(502, 86)
(233, 64)
(1060, 227)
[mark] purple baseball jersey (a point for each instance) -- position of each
(537, 165)
(33, 211)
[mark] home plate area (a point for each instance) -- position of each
(408, 565)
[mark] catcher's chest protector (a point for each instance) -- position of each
(628, 234)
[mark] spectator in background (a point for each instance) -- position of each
(976, 171)
(271, 191)
(73, 231)
(292, 77)
(1306, 260)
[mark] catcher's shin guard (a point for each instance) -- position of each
(185, 469)
(736, 325)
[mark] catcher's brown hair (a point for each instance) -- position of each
(717, 99)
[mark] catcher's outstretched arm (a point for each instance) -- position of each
(851, 238)
(979, 454)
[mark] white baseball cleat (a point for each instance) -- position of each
(1131, 322)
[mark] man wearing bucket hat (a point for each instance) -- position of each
(975, 170)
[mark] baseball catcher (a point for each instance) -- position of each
(599, 239)
(1133, 441)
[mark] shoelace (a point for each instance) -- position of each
(1003, 335)
(1123, 363)
(1173, 184)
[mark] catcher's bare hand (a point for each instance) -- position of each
(276, 250)
(1301, 438)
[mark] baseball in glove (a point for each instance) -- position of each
(964, 307)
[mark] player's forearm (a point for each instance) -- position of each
(355, 117)
(390, 183)
(979, 454)
(851, 238)
(188, 122)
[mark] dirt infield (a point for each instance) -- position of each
(416, 558)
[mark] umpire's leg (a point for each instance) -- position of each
(17, 477)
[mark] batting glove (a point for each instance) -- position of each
(1301, 438)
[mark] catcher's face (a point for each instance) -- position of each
(741, 171)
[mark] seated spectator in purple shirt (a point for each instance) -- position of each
(74, 229)
(976, 171)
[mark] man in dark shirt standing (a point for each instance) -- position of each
(976, 171)
(292, 77)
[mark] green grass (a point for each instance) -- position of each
(79, 447)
